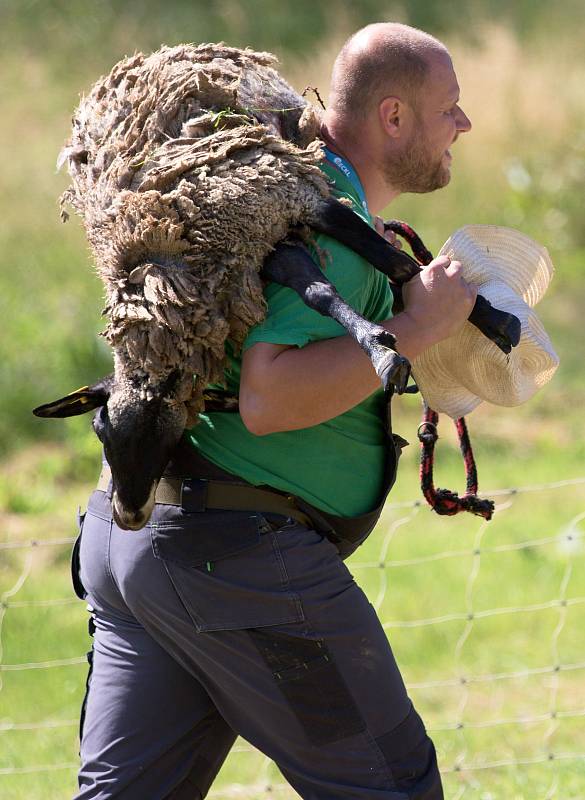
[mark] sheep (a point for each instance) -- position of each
(196, 173)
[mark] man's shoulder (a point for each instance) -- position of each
(290, 321)
(342, 189)
(347, 270)
(342, 265)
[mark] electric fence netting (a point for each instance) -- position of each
(485, 620)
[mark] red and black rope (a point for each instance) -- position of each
(443, 501)
(416, 244)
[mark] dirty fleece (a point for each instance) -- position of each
(187, 167)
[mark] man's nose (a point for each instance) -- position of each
(463, 121)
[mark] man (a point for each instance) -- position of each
(213, 624)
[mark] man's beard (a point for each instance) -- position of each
(415, 170)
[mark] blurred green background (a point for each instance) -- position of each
(521, 68)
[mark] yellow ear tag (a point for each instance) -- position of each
(81, 389)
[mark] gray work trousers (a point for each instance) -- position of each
(211, 624)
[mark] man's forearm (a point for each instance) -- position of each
(287, 388)
(284, 388)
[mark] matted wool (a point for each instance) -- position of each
(187, 167)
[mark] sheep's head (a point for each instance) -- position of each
(139, 430)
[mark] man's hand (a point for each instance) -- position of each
(390, 236)
(438, 300)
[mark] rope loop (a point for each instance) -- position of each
(447, 503)
(444, 501)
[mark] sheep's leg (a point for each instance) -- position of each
(340, 222)
(292, 266)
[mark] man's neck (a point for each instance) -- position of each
(360, 155)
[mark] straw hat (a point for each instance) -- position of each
(513, 272)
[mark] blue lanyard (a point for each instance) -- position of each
(350, 173)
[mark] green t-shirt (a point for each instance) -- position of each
(337, 465)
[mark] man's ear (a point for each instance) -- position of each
(392, 112)
(79, 402)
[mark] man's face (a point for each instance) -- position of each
(423, 163)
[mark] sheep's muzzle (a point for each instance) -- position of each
(128, 519)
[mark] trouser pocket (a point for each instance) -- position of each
(75, 563)
(227, 569)
(311, 683)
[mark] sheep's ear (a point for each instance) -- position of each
(85, 399)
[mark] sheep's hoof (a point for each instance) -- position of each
(392, 368)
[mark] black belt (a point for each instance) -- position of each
(199, 494)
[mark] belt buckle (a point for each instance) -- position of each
(194, 494)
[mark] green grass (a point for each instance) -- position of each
(511, 642)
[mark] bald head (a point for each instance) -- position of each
(380, 60)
